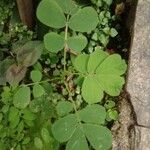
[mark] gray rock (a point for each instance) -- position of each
(141, 139)
(138, 85)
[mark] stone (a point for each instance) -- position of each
(141, 140)
(138, 84)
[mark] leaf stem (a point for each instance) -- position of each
(48, 80)
(66, 46)
(74, 105)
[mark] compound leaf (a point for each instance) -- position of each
(103, 74)
(53, 42)
(85, 20)
(77, 43)
(51, 14)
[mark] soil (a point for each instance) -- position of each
(121, 128)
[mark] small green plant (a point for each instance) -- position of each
(85, 124)
(55, 42)
(102, 73)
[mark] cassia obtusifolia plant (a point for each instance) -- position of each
(100, 71)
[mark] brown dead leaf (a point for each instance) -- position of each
(120, 8)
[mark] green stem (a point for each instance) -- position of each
(71, 98)
(48, 80)
(66, 46)
(74, 105)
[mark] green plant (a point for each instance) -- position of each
(57, 95)
(84, 124)
(55, 42)
(5, 10)
(100, 72)
(24, 122)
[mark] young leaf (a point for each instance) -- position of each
(45, 135)
(36, 76)
(13, 112)
(30, 53)
(64, 128)
(38, 90)
(20, 127)
(64, 107)
(53, 42)
(26, 140)
(51, 14)
(28, 115)
(81, 63)
(15, 74)
(104, 39)
(99, 137)
(108, 2)
(113, 32)
(13, 117)
(77, 43)
(95, 59)
(38, 143)
(77, 141)
(21, 98)
(91, 90)
(15, 122)
(85, 20)
(93, 114)
(68, 6)
(112, 114)
(109, 104)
